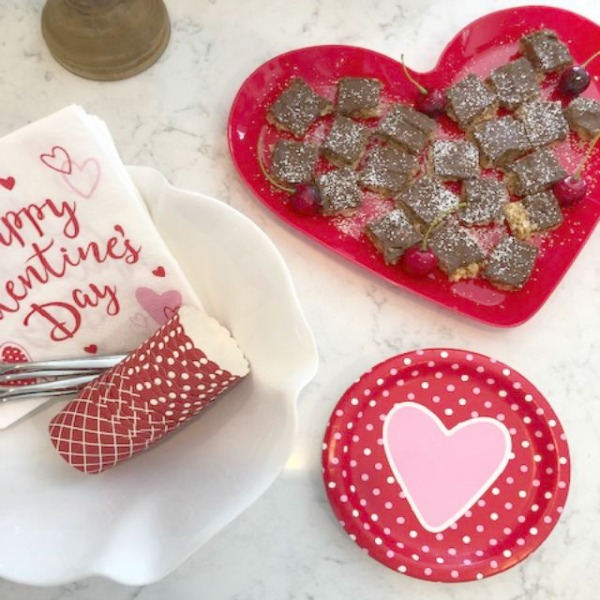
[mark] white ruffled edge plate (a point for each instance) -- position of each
(139, 521)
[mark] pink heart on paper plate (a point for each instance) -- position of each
(159, 306)
(57, 159)
(443, 472)
(84, 178)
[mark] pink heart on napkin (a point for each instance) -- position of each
(443, 472)
(159, 306)
(84, 178)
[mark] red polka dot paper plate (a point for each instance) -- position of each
(446, 465)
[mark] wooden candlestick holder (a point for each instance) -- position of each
(106, 40)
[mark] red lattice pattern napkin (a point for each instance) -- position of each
(165, 382)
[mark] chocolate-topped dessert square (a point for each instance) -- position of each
(453, 159)
(297, 108)
(345, 142)
(427, 199)
(544, 122)
(514, 83)
(534, 214)
(484, 200)
(294, 162)
(388, 169)
(583, 115)
(534, 172)
(510, 263)
(393, 234)
(545, 50)
(458, 254)
(359, 97)
(407, 127)
(501, 140)
(470, 101)
(339, 191)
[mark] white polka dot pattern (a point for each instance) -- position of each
(507, 522)
(162, 384)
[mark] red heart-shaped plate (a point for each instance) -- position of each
(480, 47)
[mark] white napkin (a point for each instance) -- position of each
(83, 269)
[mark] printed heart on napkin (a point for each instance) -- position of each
(7, 183)
(57, 159)
(84, 178)
(480, 47)
(443, 472)
(160, 307)
(12, 353)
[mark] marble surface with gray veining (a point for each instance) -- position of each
(173, 117)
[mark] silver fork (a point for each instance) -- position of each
(59, 377)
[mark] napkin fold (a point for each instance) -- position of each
(84, 270)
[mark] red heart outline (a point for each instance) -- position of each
(58, 160)
(483, 44)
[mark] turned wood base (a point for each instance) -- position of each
(106, 40)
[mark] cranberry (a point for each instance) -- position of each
(573, 188)
(306, 199)
(570, 190)
(418, 262)
(574, 80)
(432, 103)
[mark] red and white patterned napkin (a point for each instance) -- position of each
(171, 377)
(84, 270)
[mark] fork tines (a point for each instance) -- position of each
(51, 378)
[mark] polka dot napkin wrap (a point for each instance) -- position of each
(166, 381)
(84, 271)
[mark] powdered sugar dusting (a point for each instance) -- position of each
(373, 207)
(487, 237)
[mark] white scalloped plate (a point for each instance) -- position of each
(139, 521)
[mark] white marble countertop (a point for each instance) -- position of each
(173, 117)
